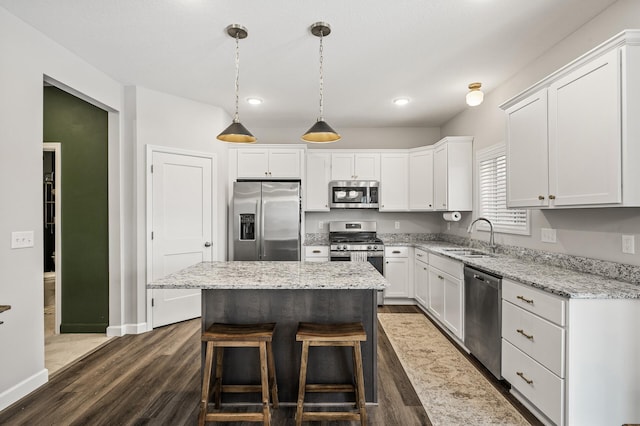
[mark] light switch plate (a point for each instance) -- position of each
(21, 239)
(320, 224)
(548, 235)
(397, 224)
(629, 244)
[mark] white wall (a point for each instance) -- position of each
(355, 138)
(170, 121)
(592, 233)
(409, 222)
(26, 58)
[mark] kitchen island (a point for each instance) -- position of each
(287, 293)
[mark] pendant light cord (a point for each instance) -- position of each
(321, 78)
(236, 117)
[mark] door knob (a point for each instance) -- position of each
(207, 244)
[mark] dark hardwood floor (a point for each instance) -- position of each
(154, 379)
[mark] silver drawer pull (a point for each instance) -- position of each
(316, 251)
(419, 255)
(440, 277)
(521, 374)
(530, 301)
(528, 336)
(396, 252)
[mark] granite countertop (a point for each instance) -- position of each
(553, 279)
(275, 275)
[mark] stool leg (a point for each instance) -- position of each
(218, 385)
(360, 384)
(303, 381)
(273, 383)
(264, 381)
(206, 381)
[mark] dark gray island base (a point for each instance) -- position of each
(286, 308)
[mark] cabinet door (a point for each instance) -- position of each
(394, 182)
(421, 180)
(527, 152)
(453, 304)
(317, 183)
(436, 292)
(440, 177)
(585, 134)
(284, 163)
(367, 166)
(342, 166)
(253, 163)
(421, 273)
(396, 271)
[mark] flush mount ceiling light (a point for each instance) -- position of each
(401, 101)
(254, 101)
(321, 132)
(236, 132)
(475, 95)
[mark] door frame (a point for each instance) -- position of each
(150, 150)
(56, 148)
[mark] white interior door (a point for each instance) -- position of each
(182, 232)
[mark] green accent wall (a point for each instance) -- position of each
(82, 130)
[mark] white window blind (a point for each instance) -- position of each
(492, 193)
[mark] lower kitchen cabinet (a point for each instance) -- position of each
(446, 293)
(421, 278)
(316, 254)
(571, 361)
(397, 271)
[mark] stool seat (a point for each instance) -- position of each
(219, 336)
(339, 334)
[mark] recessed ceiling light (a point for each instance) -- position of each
(254, 101)
(401, 101)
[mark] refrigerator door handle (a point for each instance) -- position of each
(261, 210)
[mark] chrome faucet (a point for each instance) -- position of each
(492, 243)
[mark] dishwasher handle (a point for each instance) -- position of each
(480, 277)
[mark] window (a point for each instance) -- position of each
(491, 166)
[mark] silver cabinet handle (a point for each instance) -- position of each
(207, 244)
(440, 277)
(529, 301)
(521, 374)
(419, 255)
(528, 336)
(396, 252)
(316, 251)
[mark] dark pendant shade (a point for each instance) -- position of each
(321, 132)
(236, 132)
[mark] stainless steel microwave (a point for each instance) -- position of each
(353, 194)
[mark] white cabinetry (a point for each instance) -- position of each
(352, 166)
(272, 163)
(316, 253)
(421, 277)
(580, 118)
(446, 292)
(453, 174)
(394, 182)
(318, 172)
(397, 271)
(421, 180)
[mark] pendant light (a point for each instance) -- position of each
(321, 132)
(236, 132)
(475, 95)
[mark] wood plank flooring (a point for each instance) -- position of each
(154, 379)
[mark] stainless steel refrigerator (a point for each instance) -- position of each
(265, 221)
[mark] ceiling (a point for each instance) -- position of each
(378, 50)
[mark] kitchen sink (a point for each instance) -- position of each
(466, 252)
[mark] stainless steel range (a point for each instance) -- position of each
(357, 241)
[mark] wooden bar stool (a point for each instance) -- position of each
(344, 334)
(220, 336)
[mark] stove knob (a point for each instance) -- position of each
(368, 247)
(375, 247)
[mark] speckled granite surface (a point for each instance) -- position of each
(275, 275)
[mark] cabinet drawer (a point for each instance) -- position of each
(316, 251)
(544, 389)
(396, 251)
(546, 305)
(540, 339)
(422, 255)
(450, 266)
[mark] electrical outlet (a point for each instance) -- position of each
(548, 235)
(320, 224)
(397, 224)
(629, 244)
(21, 239)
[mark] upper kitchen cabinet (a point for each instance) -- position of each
(355, 166)
(269, 163)
(394, 182)
(318, 173)
(574, 139)
(421, 179)
(452, 173)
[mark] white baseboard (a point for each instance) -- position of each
(121, 330)
(399, 301)
(23, 388)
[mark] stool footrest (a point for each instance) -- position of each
(330, 388)
(234, 417)
(329, 415)
(241, 388)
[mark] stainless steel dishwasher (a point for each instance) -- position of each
(483, 317)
